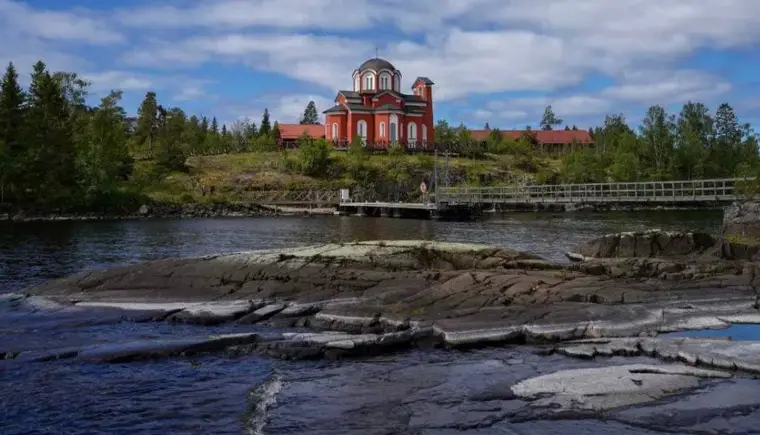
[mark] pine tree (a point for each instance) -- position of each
(567, 128)
(266, 127)
(14, 159)
(49, 138)
(147, 122)
(549, 119)
(727, 142)
(486, 127)
(310, 115)
(276, 131)
(102, 163)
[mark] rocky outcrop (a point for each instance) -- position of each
(721, 354)
(646, 244)
(421, 293)
(740, 236)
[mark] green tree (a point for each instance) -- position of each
(266, 127)
(15, 157)
(694, 133)
(101, 165)
(172, 153)
(310, 115)
(147, 122)
(727, 142)
(49, 138)
(549, 120)
(658, 140)
(314, 156)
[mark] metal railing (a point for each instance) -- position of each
(722, 190)
(293, 197)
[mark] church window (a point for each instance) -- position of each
(369, 82)
(382, 129)
(335, 131)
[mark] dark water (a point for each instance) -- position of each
(416, 393)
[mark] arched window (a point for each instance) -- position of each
(361, 130)
(335, 131)
(424, 134)
(411, 136)
(394, 128)
(385, 81)
(382, 129)
(357, 83)
(369, 82)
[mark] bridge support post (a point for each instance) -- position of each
(396, 213)
(385, 212)
(360, 211)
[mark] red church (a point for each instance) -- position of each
(379, 113)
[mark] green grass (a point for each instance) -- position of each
(227, 177)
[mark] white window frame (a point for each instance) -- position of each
(382, 129)
(411, 135)
(361, 127)
(369, 82)
(357, 83)
(335, 131)
(394, 127)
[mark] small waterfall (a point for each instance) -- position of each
(261, 401)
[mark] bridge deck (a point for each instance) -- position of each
(691, 191)
(391, 205)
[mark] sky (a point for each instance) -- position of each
(494, 61)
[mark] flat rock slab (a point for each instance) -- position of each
(721, 354)
(605, 388)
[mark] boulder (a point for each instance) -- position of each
(652, 243)
(740, 237)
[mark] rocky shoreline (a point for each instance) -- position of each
(349, 300)
(172, 211)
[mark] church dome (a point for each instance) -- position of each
(377, 64)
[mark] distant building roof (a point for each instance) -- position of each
(542, 136)
(294, 131)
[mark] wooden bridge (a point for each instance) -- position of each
(661, 192)
(468, 201)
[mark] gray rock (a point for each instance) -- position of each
(605, 388)
(647, 244)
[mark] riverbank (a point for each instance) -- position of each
(174, 211)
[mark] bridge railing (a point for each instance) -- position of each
(723, 189)
(293, 197)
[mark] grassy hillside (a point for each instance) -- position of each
(228, 177)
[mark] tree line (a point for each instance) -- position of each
(58, 153)
(692, 144)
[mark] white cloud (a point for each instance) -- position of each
(55, 25)
(110, 80)
(468, 47)
(637, 91)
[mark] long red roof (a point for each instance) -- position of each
(294, 131)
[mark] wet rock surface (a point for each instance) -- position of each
(646, 244)
(439, 294)
(333, 302)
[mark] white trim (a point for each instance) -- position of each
(361, 129)
(415, 114)
(368, 80)
(357, 84)
(417, 103)
(424, 133)
(399, 111)
(382, 129)
(335, 130)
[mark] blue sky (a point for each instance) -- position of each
(495, 61)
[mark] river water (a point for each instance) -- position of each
(422, 392)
